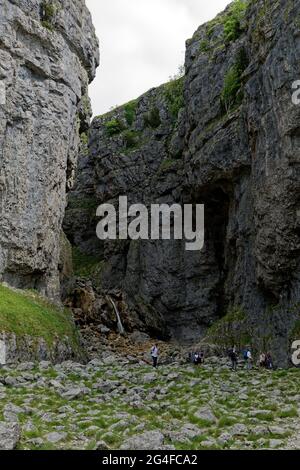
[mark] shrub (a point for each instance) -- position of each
(231, 329)
(113, 127)
(48, 12)
(84, 138)
(174, 95)
(211, 26)
(131, 139)
(204, 46)
(232, 93)
(130, 111)
(232, 23)
(152, 119)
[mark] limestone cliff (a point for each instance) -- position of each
(48, 56)
(226, 135)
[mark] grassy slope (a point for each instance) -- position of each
(26, 313)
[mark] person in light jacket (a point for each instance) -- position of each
(154, 355)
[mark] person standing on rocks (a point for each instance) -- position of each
(154, 355)
(269, 361)
(262, 360)
(234, 358)
(197, 359)
(201, 357)
(249, 359)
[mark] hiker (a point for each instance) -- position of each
(249, 359)
(269, 361)
(245, 356)
(154, 355)
(191, 357)
(197, 359)
(262, 360)
(201, 357)
(234, 358)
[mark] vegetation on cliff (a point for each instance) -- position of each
(231, 21)
(114, 127)
(49, 10)
(174, 95)
(232, 93)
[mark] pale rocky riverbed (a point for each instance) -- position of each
(116, 403)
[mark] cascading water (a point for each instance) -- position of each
(119, 321)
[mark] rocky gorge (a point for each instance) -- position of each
(225, 134)
(78, 315)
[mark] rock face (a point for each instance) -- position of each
(230, 140)
(146, 441)
(48, 55)
(14, 349)
(9, 436)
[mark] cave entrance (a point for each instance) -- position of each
(217, 205)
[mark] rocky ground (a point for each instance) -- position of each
(121, 402)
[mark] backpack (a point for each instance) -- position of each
(245, 355)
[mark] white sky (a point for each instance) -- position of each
(142, 43)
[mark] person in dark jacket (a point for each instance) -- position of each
(234, 358)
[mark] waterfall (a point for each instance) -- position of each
(120, 325)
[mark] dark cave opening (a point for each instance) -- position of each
(217, 204)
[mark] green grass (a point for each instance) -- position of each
(226, 421)
(290, 413)
(26, 313)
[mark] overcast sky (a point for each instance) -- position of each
(142, 44)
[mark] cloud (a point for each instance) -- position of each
(142, 43)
